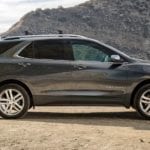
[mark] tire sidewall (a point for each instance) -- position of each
(26, 101)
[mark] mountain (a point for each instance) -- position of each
(124, 24)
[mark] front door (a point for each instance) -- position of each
(96, 79)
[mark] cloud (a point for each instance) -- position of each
(12, 10)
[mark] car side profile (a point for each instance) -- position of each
(56, 70)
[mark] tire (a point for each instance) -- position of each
(14, 101)
(142, 101)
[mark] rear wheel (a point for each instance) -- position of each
(14, 101)
(142, 101)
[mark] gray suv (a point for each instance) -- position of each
(56, 70)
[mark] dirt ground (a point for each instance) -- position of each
(76, 128)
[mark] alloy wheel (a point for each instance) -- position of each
(145, 102)
(11, 102)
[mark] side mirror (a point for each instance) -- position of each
(115, 58)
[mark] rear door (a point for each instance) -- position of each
(46, 66)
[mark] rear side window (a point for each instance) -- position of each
(6, 46)
(48, 49)
(27, 52)
(51, 49)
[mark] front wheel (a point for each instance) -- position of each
(142, 101)
(14, 101)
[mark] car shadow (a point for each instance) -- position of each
(116, 119)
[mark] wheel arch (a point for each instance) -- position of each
(141, 84)
(12, 81)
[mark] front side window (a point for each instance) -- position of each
(86, 51)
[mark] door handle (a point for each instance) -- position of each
(80, 67)
(24, 64)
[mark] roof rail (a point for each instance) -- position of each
(38, 36)
(10, 38)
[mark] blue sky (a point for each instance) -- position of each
(12, 10)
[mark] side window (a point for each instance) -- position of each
(27, 52)
(49, 49)
(89, 52)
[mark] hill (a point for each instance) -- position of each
(122, 24)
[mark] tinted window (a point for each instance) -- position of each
(88, 51)
(27, 52)
(50, 49)
(6, 46)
